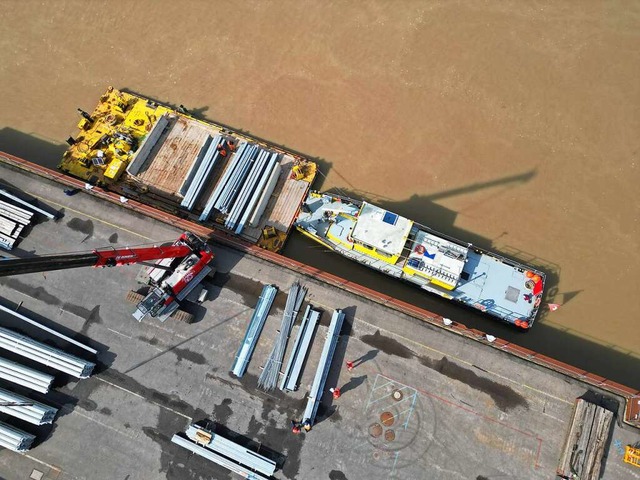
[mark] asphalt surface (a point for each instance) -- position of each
(467, 410)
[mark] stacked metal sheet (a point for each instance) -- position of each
(25, 376)
(13, 219)
(253, 330)
(324, 365)
(268, 379)
(15, 439)
(41, 353)
(243, 186)
(219, 459)
(26, 409)
(300, 348)
(202, 173)
(231, 450)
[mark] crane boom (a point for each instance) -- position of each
(111, 257)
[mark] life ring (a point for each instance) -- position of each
(419, 249)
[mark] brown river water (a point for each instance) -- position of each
(511, 125)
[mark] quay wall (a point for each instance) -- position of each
(631, 396)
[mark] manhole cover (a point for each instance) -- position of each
(376, 455)
(397, 395)
(389, 435)
(375, 430)
(387, 419)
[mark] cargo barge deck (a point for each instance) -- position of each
(195, 169)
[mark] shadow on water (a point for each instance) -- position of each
(31, 147)
(587, 354)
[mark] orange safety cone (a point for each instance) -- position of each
(335, 392)
(350, 365)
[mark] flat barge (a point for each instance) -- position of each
(399, 247)
(198, 170)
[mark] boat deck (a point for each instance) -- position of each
(480, 279)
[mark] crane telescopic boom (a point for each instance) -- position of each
(111, 257)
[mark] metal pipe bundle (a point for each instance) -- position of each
(219, 459)
(26, 409)
(231, 450)
(204, 171)
(268, 379)
(253, 330)
(41, 353)
(25, 376)
(14, 439)
(300, 348)
(324, 365)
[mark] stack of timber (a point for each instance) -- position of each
(586, 444)
(13, 219)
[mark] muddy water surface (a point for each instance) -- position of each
(511, 125)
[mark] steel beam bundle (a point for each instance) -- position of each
(15, 439)
(236, 178)
(324, 365)
(27, 377)
(219, 459)
(147, 145)
(30, 206)
(222, 184)
(202, 174)
(13, 219)
(247, 189)
(195, 165)
(253, 330)
(268, 379)
(265, 196)
(41, 353)
(26, 409)
(231, 450)
(257, 192)
(47, 329)
(300, 348)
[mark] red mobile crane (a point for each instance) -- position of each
(181, 268)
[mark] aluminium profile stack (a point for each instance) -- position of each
(219, 459)
(268, 379)
(15, 439)
(229, 195)
(41, 353)
(254, 221)
(247, 188)
(25, 376)
(221, 185)
(231, 450)
(300, 349)
(253, 330)
(203, 173)
(188, 179)
(31, 411)
(257, 192)
(324, 365)
(13, 219)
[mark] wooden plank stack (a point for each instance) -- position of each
(584, 450)
(13, 219)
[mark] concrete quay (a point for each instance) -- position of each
(467, 411)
